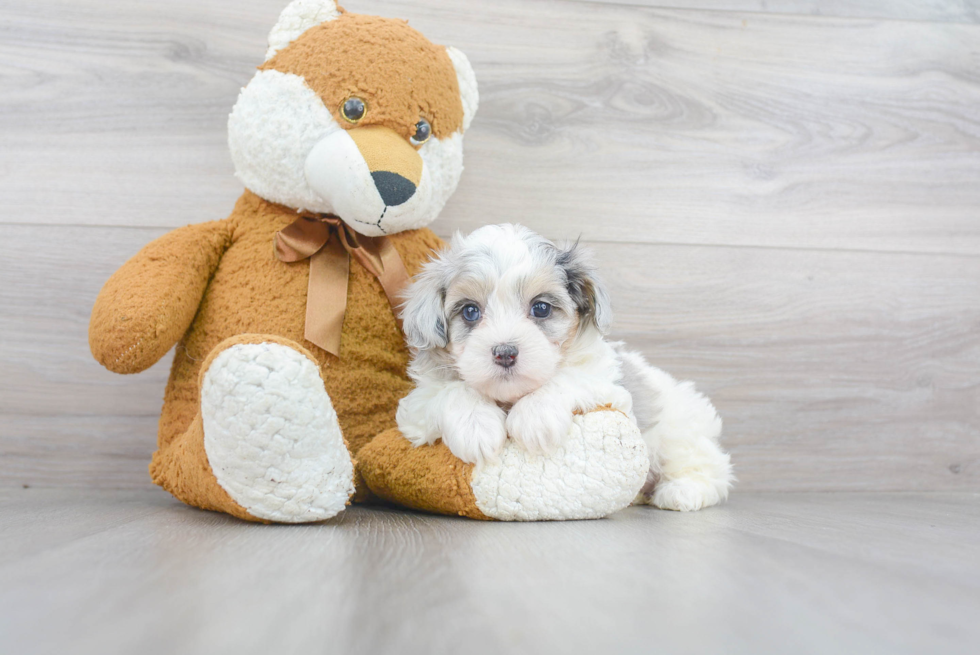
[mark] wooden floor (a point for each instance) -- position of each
(136, 572)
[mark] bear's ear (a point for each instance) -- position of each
(296, 18)
(468, 92)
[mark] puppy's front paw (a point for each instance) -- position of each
(414, 420)
(539, 423)
(474, 433)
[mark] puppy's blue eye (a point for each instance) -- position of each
(540, 310)
(471, 313)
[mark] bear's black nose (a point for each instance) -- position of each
(505, 355)
(394, 188)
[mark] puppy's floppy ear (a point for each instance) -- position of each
(586, 289)
(423, 312)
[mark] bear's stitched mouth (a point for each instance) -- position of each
(378, 224)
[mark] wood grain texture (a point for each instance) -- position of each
(136, 572)
(97, 451)
(50, 279)
(786, 208)
(832, 370)
(952, 11)
(617, 122)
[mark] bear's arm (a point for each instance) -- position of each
(148, 304)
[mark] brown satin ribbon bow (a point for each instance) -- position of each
(329, 243)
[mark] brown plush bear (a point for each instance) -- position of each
(290, 361)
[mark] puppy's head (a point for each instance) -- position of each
(503, 306)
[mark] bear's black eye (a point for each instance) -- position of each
(540, 309)
(353, 110)
(471, 313)
(422, 132)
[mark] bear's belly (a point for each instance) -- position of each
(254, 293)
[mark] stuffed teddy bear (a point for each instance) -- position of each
(290, 361)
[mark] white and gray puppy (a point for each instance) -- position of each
(507, 331)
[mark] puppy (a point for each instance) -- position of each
(506, 331)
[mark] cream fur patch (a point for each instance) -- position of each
(443, 159)
(296, 18)
(599, 469)
(275, 124)
(272, 436)
(468, 90)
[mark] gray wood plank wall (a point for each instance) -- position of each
(783, 194)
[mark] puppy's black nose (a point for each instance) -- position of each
(504, 355)
(394, 189)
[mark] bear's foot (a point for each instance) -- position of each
(598, 470)
(271, 434)
(600, 467)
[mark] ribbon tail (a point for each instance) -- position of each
(327, 296)
(393, 278)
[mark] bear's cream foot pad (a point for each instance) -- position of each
(598, 470)
(272, 436)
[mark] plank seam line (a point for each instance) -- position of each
(773, 14)
(753, 246)
(937, 253)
